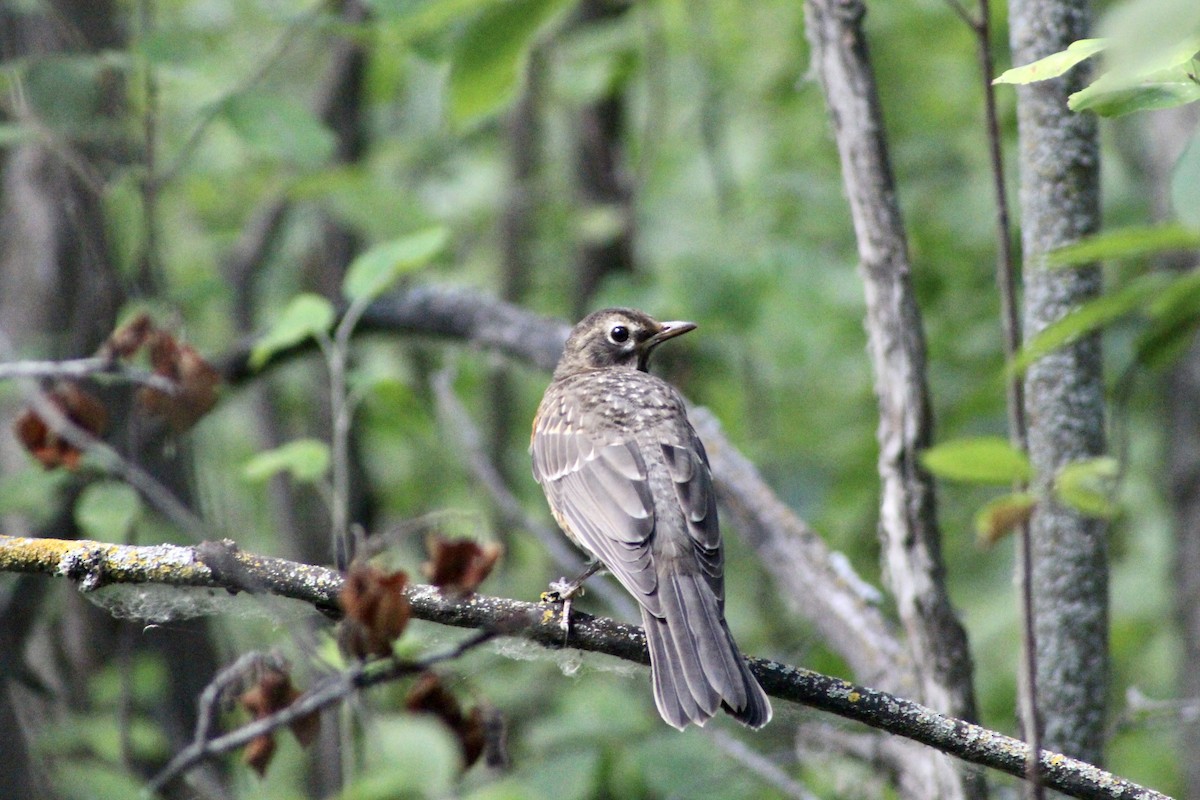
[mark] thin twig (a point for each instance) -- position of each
(337, 357)
(94, 367)
(760, 765)
(1006, 282)
(149, 267)
(332, 689)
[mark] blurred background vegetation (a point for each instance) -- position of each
(673, 156)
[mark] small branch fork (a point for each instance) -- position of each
(329, 690)
(98, 564)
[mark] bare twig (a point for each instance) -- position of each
(159, 495)
(1006, 279)
(79, 368)
(151, 257)
(760, 765)
(1006, 283)
(331, 690)
(98, 563)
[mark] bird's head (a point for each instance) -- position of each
(616, 337)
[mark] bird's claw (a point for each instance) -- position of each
(563, 591)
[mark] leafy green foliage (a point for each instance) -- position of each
(306, 460)
(1088, 486)
(278, 127)
(107, 510)
(1090, 316)
(1126, 242)
(982, 459)
(1054, 64)
(375, 270)
(1165, 80)
(486, 63)
(307, 315)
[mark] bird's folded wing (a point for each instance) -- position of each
(688, 465)
(598, 488)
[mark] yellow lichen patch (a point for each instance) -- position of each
(547, 616)
(854, 697)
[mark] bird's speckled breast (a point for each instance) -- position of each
(626, 399)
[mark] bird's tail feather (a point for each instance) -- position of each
(696, 666)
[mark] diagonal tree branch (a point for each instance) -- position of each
(96, 564)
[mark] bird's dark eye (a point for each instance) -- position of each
(619, 334)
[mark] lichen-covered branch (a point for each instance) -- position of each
(221, 566)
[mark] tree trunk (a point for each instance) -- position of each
(1064, 391)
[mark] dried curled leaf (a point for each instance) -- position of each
(47, 445)
(430, 696)
(259, 752)
(376, 609)
(126, 340)
(274, 692)
(458, 566)
(195, 378)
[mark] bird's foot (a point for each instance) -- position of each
(563, 591)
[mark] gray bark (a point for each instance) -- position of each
(1064, 392)
(908, 522)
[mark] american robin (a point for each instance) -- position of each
(628, 481)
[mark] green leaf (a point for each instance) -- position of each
(1091, 316)
(1088, 486)
(1127, 242)
(1110, 99)
(306, 459)
(1174, 316)
(31, 491)
(1003, 515)
(489, 58)
(1055, 64)
(1185, 185)
(374, 271)
(279, 127)
(983, 459)
(107, 510)
(305, 316)
(1142, 80)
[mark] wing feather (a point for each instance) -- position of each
(599, 490)
(688, 465)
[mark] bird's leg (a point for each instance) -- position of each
(564, 591)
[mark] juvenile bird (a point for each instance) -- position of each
(628, 481)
